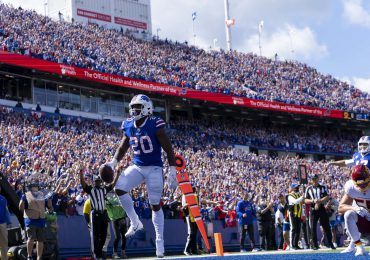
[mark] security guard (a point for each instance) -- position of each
(295, 213)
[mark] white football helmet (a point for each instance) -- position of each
(146, 108)
(364, 145)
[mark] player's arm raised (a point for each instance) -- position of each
(342, 163)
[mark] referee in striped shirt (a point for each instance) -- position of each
(99, 216)
(317, 195)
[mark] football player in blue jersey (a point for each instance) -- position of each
(146, 136)
(361, 157)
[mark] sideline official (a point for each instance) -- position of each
(317, 195)
(295, 213)
(99, 216)
(191, 242)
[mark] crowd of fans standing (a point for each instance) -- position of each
(232, 73)
(46, 148)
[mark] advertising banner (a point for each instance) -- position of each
(91, 75)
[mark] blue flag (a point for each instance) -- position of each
(194, 15)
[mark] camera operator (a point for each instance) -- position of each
(33, 205)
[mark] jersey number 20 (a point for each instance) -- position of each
(143, 144)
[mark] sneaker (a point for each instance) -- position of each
(335, 244)
(255, 250)
(115, 256)
(133, 228)
(350, 248)
(159, 245)
(243, 251)
(187, 253)
(360, 250)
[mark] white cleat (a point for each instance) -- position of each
(350, 248)
(360, 250)
(133, 228)
(159, 245)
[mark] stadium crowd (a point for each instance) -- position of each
(173, 63)
(48, 148)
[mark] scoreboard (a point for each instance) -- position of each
(132, 16)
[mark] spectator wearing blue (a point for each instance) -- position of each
(4, 221)
(246, 213)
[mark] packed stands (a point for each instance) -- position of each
(47, 148)
(173, 63)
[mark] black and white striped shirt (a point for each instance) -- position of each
(316, 192)
(97, 196)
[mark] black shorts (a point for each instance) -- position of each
(36, 233)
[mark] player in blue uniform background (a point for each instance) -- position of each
(146, 136)
(361, 157)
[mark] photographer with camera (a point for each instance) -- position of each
(33, 203)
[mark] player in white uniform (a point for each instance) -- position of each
(146, 136)
(361, 157)
(355, 205)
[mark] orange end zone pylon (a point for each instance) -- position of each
(190, 197)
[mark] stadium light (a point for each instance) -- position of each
(227, 28)
(260, 28)
(291, 41)
(45, 5)
(214, 43)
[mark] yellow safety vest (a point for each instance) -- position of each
(297, 208)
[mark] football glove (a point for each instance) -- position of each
(172, 180)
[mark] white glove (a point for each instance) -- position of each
(172, 180)
(112, 163)
(361, 211)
